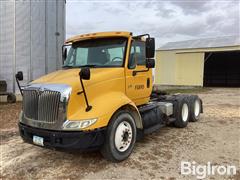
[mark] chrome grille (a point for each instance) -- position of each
(30, 104)
(41, 105)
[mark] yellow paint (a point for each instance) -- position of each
(108, 89)
(98, 35)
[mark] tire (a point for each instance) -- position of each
(195, 108)
(120, 137)
(182, 112)
(11, 98)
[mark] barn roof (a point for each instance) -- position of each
(224, 41)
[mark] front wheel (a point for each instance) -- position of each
(120, 137)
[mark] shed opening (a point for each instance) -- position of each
(222, 69)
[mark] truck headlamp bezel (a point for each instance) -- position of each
(78, 125)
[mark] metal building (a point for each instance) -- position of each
(31, 36)
(202, 62)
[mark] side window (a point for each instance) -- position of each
(140, 53)
(132, 59)
(71, 57)
(137, 54)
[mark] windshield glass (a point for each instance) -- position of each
(104, 52)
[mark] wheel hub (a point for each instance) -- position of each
(185, 112)
(197, 108)
(123, 136)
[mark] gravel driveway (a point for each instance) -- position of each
(215, 138)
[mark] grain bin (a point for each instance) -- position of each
(31, 36)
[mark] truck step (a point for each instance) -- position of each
(153, 128)
(170, 120)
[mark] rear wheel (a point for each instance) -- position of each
(195, 108)
(182, 113)
(120, 137)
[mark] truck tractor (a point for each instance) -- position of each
(102, 98)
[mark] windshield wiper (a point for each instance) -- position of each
(67, 66)
(88, 65)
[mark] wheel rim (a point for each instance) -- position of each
(196, 108)
(185, 112)
(123, 136)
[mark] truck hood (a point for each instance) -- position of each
(71, 77)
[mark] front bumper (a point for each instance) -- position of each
(68, 140)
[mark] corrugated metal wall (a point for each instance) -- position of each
(31, 36)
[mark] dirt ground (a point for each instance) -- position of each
(215, 138)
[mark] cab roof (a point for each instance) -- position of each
(98, 35)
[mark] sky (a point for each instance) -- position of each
(166, 20)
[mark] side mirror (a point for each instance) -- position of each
(150, 48)
(85, 73)
(19, 75)
(64, 54)
(150, 63)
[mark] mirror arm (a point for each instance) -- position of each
(19, 87)
(85, 96)
(80, 92)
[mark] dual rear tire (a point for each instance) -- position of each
(182, 112)
(189, 109)
(196, 108)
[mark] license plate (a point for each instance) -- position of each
(38, 140)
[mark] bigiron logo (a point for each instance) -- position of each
(202, 171)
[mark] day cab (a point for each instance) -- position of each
(101, 98)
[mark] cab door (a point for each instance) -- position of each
(138, 77)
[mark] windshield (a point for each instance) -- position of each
(104, 52)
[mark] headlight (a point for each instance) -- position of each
(76, 125)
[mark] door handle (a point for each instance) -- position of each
(148, 82)
(134, 73)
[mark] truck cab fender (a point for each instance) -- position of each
(131, 107)
(104, 107)
(123, 102)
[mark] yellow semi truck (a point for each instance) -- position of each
(102, 98)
